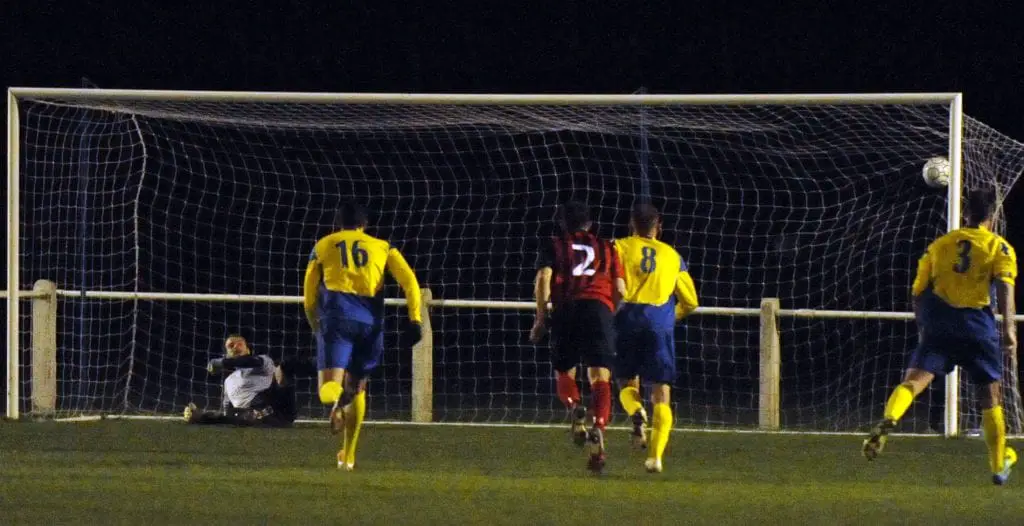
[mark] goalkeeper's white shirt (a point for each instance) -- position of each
(242, 385)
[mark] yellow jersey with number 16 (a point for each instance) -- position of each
(345, 278)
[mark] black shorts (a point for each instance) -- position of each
(281, 404)
(582, 331)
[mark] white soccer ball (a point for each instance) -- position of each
(936, 172)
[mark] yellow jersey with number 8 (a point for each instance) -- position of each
(659, 289)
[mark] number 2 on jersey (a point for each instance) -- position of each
(583, 269)
(359, 256)
(963, 252)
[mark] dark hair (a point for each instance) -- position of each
(981, 205)
(644, 218)
(350, 215)
(574, 216)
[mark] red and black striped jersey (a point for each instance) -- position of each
(584, 267)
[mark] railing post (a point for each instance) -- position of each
(768, 414)
(44, 349)
(423, 368)
(13, 257)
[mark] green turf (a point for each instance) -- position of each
(119, 472)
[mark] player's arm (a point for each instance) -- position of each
(686, 294)
(248, 361)
(542, 293)
(921, 282)
(542, 290)
(617, 276)
(310, 288)
(1004, 273)
(406, 278)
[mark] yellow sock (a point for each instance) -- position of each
(354, 414)
(630, 399)
(330, 392)
(661, 425)
(899, 402)
(995, 436)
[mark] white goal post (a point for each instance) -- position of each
(515, 130)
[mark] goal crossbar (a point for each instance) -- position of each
(786, 99)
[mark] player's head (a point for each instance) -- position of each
(236, 345)
(645, 220)
(574, 216)
(351, 215)
(981, 207)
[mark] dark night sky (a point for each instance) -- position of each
(574, 47)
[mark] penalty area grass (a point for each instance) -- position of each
(159, 472)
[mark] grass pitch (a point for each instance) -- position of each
(122, 472)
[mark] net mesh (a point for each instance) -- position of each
(820, 206)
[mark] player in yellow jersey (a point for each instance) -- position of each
(659, 291)
(345, 308)
(956, 279)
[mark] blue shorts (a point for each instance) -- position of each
(981, 357)
(649, 353)
(351, 345)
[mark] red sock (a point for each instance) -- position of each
(568, 391)
(601, 403)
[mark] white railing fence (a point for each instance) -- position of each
(45, 297)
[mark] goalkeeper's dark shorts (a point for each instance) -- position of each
(275, 406)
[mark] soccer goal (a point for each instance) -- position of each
(144, 226)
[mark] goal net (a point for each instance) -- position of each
(821, 206)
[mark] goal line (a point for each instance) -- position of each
(505, 425)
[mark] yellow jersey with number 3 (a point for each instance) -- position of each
(961, 266)
(345, 278)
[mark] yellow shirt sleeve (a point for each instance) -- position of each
(924, 273)
(1005, 265)
(686, 295)
(406, 278)
(310, 288)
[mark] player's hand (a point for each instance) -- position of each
(1009, 341)
(215, 366)
(413, 332)
(539, 330)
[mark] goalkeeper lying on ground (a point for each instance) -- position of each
(256, 392)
